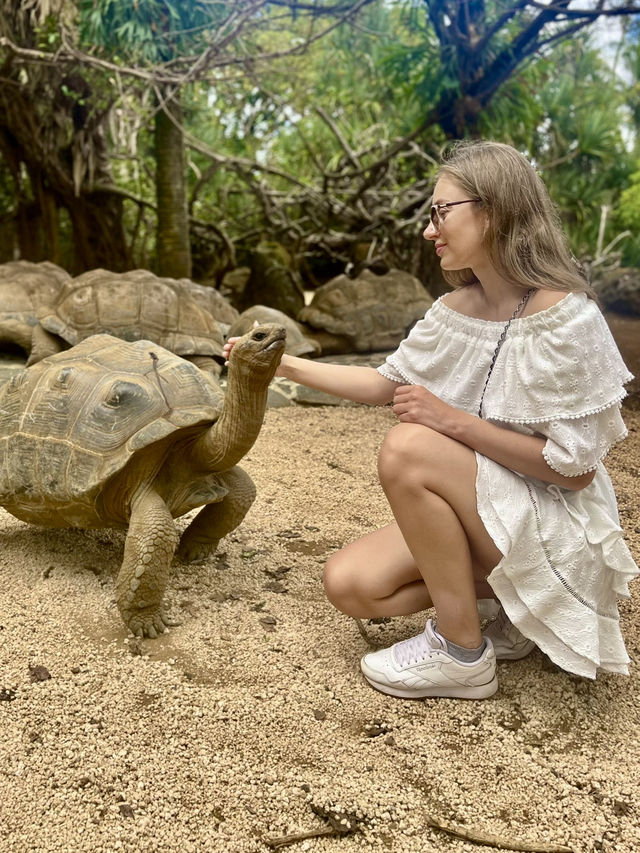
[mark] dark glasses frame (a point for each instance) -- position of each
(437, 218)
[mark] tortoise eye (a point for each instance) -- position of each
(259, 336)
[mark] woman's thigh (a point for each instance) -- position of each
(427, 459)
(366, 577)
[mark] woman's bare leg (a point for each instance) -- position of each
(429, 480)
(377, 576)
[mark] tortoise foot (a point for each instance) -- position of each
(148, 622)
(195, 552)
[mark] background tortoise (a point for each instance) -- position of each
(297, 342)
(210, 298)
(369, 313)
(24, 288)
(129, 435)
(136, 305)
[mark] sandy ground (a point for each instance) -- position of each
(251, 720)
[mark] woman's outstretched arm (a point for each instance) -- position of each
(349, 381)
(352, 382)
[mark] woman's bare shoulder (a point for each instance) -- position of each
(460, 299)
(543, 299)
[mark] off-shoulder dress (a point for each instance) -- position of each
(558, 375)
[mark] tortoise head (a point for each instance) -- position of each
(258, 353)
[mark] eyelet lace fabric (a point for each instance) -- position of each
(559, 375)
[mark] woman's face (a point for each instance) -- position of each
(459, 235)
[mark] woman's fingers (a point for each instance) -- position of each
(226, 349)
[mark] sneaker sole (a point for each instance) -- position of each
(514, 654)
(481, 691)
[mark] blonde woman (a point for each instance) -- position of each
(508, 397)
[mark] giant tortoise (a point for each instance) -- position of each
(129, 435)
(24, 288)
(210, 298)
(135, 305)
(366, 314)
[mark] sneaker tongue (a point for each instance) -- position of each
(435, 640)
(418, 648)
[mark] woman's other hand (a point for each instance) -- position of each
(414, 404)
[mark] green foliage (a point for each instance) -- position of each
(629, 207)
(148, 31)
(627, 215)
(340, 104)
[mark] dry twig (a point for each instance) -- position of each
(276, 841)
(495, 841)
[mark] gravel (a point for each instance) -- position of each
(250, 721)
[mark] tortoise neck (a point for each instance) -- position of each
(235, 432)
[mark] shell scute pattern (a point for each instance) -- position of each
(373, 311)
(75, 419)
(133, 306)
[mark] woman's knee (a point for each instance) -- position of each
(405, 451)
(341, 584)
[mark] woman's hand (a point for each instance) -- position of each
(226, 349)
(414, 404)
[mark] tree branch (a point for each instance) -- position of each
(337, 133)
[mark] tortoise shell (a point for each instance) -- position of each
(135, 305)
(24, 288)
(209, 298)
(373, 312)
(73, 420)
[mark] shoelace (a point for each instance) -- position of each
(413, 650)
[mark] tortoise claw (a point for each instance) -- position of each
(195, 552)
(149, 623)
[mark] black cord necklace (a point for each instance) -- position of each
(519, 308)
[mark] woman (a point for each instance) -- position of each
(508, 397)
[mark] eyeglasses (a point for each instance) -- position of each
(439, 211)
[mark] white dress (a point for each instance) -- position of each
(558, 375)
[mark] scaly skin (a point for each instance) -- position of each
(201, 537)
(142, 580)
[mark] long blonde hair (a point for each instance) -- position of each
(524, 238)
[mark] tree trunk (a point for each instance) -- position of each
(36, 142)
(173, 250)
(98, 234)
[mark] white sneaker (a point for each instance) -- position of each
(421, 667)
(508, 642)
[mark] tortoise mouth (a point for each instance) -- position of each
(279, 343)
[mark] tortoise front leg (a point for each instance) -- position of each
(144, 574)
(43, 343)
(201, 537)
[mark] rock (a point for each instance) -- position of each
(619, 291)
(626, 333)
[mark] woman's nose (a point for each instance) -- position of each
(430, 232)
